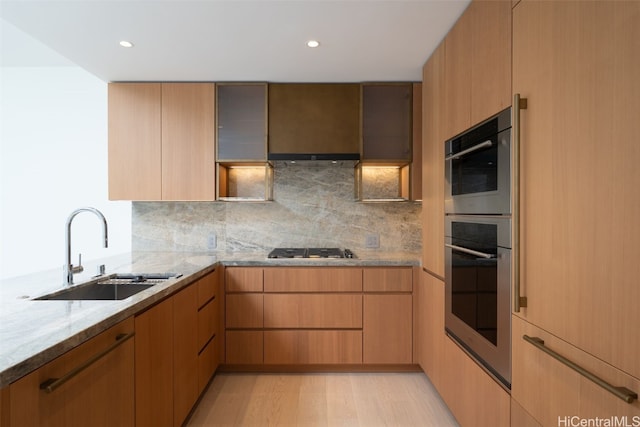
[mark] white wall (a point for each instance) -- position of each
(53, 159)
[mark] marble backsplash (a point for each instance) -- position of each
(313, 206)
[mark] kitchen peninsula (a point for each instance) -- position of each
(37, 333)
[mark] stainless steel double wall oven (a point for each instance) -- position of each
(478, 243)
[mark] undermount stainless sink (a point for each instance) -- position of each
(111, 287)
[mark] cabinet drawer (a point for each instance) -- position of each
(207, 288)
(324, 279)
(244, 311)
(208, 360)
(312, 347)
(244, 347)
(549, 390)
(102, 391)
(207, 322)
(388, 279)
(313, 311)
(243, 279)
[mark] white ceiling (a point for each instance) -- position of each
(233, 40)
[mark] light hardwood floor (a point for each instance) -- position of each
(328, 399)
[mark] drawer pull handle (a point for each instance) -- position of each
(52, 384)
(620, 392)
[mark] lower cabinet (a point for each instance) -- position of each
(319, 315)
(388, 315)
(554, 394)
(177, 353)
(312, 347)
(474, 398)
(92, 384)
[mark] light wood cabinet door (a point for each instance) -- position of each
(135, 141)
(294, 347)
(329, 311)
(102, 394)
(244, 311)
(490, 58)
(188, 141)
(477, 65)
(185, 352)
(457, 81)
(243, 279)
(388, 279)
(577, 63)
(430, 334)
(387, 330)
(550, 391)
(244, 347)
(154, 365)
(433, 163)
(310, 279)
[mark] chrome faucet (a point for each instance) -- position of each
(70, 269)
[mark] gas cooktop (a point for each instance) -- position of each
(310, 253)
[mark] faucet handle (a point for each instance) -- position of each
(79, 268)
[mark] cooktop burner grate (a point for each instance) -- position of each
(310, 253)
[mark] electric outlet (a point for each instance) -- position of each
(212, 241)
(372, 241)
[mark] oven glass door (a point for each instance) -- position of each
(474, 277)
(478, 169)
(478, 288)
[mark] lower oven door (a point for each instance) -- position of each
(478, 289)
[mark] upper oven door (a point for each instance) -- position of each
(478, 169)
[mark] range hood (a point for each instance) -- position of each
(314, 121)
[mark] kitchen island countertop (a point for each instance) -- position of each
(33, 333)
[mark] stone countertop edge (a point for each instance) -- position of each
(68, 325)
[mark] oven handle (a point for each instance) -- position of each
(459, 154)
(519, 103)
(470, 251)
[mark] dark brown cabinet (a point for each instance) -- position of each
(386, 122)
(242, 122)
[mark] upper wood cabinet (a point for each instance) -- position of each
(314, 118)
(241, 122)
(386, 122)
(577, 64)
(477, 65)
(161, 141)
(135, 149)
(188, 132)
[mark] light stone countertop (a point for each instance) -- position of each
(33, 333)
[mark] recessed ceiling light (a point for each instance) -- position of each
(313, 43)
(125, 43)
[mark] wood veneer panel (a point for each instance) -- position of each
(387, 329)
(244, 311)
(135, 141)
(243, 279)
(323, 279)
(398, 279)
(313, 311)
(188, 141)
(312, 347)
(244, 347)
